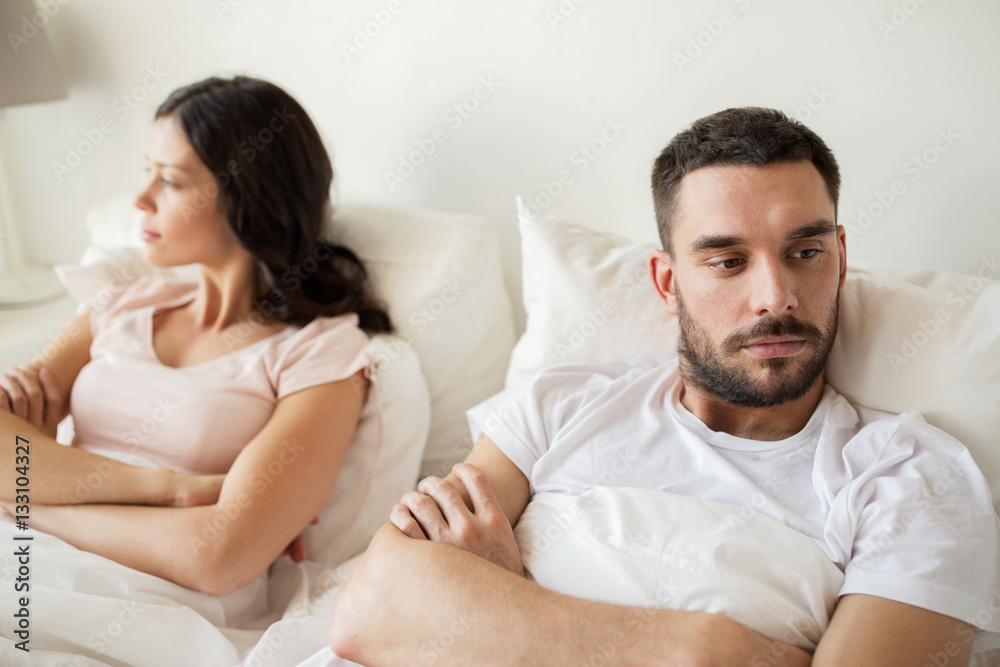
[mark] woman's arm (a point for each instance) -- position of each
(34, 398)
(61, 475)
(277, 484)
(43, 399)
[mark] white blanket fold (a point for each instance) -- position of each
(645, 548)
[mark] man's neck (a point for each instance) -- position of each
(776, 422)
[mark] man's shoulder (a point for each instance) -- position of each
(890, 430)
(588, 376)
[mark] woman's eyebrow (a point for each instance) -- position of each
(168, 164)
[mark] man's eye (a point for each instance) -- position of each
(807, 254)
(731, 263)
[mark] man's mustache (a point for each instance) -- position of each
(772, 326)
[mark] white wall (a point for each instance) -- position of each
(564, 69)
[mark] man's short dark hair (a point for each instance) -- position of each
(749, 135)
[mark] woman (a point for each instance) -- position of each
(258, 371)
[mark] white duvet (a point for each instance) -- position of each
(627, 546)
(646, 548)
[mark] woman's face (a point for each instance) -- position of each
(183, 221)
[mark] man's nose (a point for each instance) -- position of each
(773, 289)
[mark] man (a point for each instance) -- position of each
(752, 264)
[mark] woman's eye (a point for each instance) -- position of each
(168, 183)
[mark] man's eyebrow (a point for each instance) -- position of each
(715, 242)
(818, 228)
(718, 241)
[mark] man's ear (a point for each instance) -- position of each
(662, 272)
(842, 246)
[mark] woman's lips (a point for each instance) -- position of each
(766, 348)
(149, 236)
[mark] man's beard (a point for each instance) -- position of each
(711, 369)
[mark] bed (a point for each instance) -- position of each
(587, 298)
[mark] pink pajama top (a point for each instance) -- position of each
(195, 419)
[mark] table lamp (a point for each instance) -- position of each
(28, 74)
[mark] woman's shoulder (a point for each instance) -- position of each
(324, 350)
(147, 290)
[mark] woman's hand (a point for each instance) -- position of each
(32, 394)
(296, 549)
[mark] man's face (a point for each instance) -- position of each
(755, 280)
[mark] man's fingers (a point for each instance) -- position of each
(427, 513)
(447, 497)
(484, 499)
(401, 518)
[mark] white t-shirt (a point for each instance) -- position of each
(898, 505)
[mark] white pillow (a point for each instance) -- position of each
(652, 549)
(439, 274)
(383, 459)
(900, 346)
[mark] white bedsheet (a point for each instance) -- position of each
(89, 611)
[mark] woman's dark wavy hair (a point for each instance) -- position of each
(274, 177)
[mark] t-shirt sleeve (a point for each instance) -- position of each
(523, 420)
(326, 350)
(116, 298)
(926, 532)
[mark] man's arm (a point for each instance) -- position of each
(869, 630)
(457, 597)
(416, 601)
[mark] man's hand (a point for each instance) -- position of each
(32, 395)
(437, 511)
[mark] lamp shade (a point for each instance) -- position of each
(28, 69)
